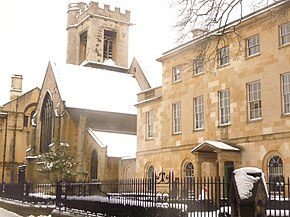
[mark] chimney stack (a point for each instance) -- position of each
(16, 86)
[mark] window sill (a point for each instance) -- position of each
(285, 115)
(196, 75)
(252, 56)
(224, 125)
(149, 139)
(198, 130)
(223, 66)
(284, 45)
(176, 134)
(175, 82)
(255, 120)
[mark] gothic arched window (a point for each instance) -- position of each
(150, 178)
(109, 38)
(188, 170)
(46, 123)
(94, 165)
(275, 171)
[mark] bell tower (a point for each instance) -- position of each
(97, 35)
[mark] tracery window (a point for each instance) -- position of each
(188, 179)
(275, 171)
(109, 39)
(188, 170)
(46, 123)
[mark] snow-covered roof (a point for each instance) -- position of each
(118, 144)
(96, 89)
(245, 181)
(214, 145)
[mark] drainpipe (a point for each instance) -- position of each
(5, 144)
(14, 142)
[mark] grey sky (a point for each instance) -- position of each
(34, 32)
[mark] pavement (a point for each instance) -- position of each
(6, 213)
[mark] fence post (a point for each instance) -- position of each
(58, 194)
(26, 191)
(3, 190)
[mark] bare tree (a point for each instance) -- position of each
(217, 17)
(212, 14)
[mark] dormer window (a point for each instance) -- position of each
(109, 40)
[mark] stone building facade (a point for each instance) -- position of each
(16, 131)
(225, 108)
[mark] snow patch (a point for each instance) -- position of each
(245, 182)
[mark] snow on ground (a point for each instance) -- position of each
(6, 213)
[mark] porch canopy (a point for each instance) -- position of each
(213, 146)
(218, 154)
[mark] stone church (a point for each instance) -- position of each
(207, 119)
(87, 104)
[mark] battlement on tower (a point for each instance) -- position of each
(82, 10)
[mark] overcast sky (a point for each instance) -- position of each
(34, 32)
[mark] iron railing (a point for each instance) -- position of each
(162, 195)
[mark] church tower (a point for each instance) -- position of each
(97, 36)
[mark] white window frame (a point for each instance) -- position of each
(176, 73)
(176, 117)
(224, 107)
(198, 104)
(285, 87)
(224, 56)
(254, 100)
(198, 65)
(253, 45)
(149, 125)
(284, 33)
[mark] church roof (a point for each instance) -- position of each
(96, 89)
(118, 144)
